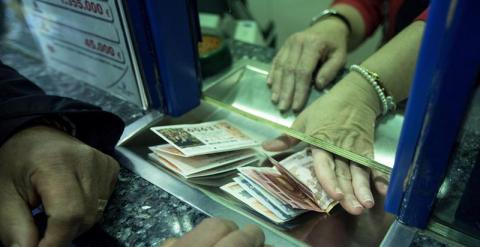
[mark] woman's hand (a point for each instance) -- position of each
(324, 45)
(346, 118)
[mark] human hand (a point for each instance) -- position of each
(219, 232)
(41, 165)
(346, 118)
(324, 45)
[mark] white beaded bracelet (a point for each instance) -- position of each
(388, 102)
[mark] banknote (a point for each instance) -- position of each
(273, 181)
(299, 166)
(281, 210)
(238, 192)
(285, 208)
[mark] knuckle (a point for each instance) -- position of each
(289, 68)
(72, 213)
(300, 70)
(296, 38)
(319, 45)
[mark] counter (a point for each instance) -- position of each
(139, 213)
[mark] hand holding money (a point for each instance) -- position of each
(347, 125)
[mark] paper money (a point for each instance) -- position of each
(273, 181)
(300, 167)
(238, 192)
(281, 210)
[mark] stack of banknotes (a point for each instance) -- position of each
(283, 191)
(211, 153)
(203, 151)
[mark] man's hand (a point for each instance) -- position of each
(41, 165)
(219, 233)
(323, 45)
(346, 118)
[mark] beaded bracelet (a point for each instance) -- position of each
(388, 102)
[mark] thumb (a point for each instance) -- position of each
(280, 143)
(17, 227)
(284, 141)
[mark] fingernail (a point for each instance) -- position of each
(275, 97)
(368, 203)
(320, 81)
(274, 144)
(338, 191)
(282, 106)
(356, 204)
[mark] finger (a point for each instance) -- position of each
(349, 202)
(277, 74)
(250, 236)
(330, 68)
(281, 143)
(303, 76)
(96, 174)
(288, 87)
(209, 232)
(284, 141)
(17, 227)
(288, 77)
(64, 205)
(361, 184)
(381, 181)
(324, 166)
(169, 242)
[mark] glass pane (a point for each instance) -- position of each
(244, 89)
(19, 49)
(87, 40)
(458, 198)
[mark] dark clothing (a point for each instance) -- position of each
(22, 102)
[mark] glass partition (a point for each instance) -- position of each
(458, 198)
(90, 41)
(244, 90)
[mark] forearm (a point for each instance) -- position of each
(395, 62)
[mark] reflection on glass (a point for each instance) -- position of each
(458, 198)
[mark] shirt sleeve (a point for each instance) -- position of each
(371, 11)
(423, 16)
(22, 102)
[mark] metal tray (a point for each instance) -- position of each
(243, 90)
(337, 229)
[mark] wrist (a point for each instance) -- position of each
(329, 13)
(333, 24)
(359, 91)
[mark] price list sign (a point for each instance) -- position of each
(89, 40)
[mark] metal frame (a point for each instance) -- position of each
(446, 73)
